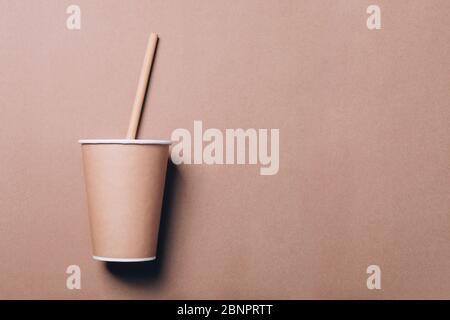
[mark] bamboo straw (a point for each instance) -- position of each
(142, 86)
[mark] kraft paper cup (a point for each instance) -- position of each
(125, 184)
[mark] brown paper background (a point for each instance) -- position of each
(364, 151)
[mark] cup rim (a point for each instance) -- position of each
(108, 259)
(124, 141)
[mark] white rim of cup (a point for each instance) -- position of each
(123, 141)
(107, 259)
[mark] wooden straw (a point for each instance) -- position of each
(142, 86)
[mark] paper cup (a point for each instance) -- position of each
(125, 185)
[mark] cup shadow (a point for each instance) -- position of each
(151, 272)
